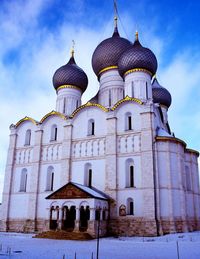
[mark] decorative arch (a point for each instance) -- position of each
(84, 204)
(126, 99)
(88, 104)
(24, 120)
(53, 113)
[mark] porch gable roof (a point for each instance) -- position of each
(73, 190)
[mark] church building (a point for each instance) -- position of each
(112, 161)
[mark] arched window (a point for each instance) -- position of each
(130, 206)
(110, 99)
(132, 88)
(188, 179)
(147, 96)
(28, 137)
(128, 121)
(88, 175)
(54, 132)
(50, 178)
(130, 173)
(91, 127)
(64, 105)
(23, 180)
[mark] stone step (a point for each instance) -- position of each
(64, 235)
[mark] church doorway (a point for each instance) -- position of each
(84, 217)
(68, 218)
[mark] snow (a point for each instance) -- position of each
(164, 247)
(90, 191)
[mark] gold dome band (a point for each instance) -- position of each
(107, 68)
(68, 86)
(138, 70)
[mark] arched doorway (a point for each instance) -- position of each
(84, 217)
(68, 218)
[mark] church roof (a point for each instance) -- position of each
(77, 191)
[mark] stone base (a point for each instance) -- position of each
(122, 226)
(93, 228)
(129, 226)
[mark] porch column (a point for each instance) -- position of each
(77, 221)
(59, 220)
(92, 213)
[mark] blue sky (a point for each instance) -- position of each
(36, 38)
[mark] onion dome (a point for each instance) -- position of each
(70, 76)
(137, 58)
(108, 52)
(160, 94)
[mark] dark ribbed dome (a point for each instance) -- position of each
(137, 57)
(70, 74)
(160, 94)
(108, 52)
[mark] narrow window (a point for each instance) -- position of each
(91, 127)
(129, 172)
(128, 121)
(131, 176)
(50, 179)
(23, 180)
(132, 87)
(88, 175)
(109, 98)
(130, 206)
(28, 137)
(90, 178)
(64, 105)
(54, 132)
(146, 90)
(76, 104)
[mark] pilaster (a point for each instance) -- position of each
(66, 175)
(111, 161)
(35, 174)
(8, 178)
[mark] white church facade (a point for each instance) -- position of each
(113, 159)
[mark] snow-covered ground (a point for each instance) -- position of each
(165, 247)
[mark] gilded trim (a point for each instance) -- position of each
(26, 119)
(192, 151)
(106, 69)
(53, 113)
(126, 99)
(173, 139)
(68, 86)
(138, 70)
(89, 104)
